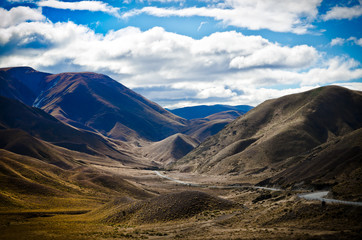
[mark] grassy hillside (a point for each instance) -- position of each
(279, 133)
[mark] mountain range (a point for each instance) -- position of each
(82, 156)
(203, 111)
(310, 139)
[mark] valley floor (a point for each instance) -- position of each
(260, 214)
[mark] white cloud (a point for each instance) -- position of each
(93, 6)
(279, 16)
(224, 67)
(342, 41)
(335, 69)
(337, 41)
(339, 13)
(18, 15)
(356, 41)
(273, 56)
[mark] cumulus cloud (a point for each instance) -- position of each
(224, 67)
(335, 69)
(341, 41)
(18, 15)
(356, 41)
(337, 41)
(93, 6)
(274, 56)
(275, 15)
(339, 13)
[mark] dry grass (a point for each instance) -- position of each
(282, 216)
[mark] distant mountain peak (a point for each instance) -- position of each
(203, 111)
(91, 101)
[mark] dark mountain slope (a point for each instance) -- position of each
(336, 164)
(271, 135)
(95, 102)
(20, 142)
(203, 111)
(12, 88)
(203, 128)
(31, 78)
(39, 124)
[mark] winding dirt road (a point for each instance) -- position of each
(319, 196)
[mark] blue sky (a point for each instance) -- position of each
(181, 53)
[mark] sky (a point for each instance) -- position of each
(181, 53)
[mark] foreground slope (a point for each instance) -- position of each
(48, 183)
(270, 137)
(43, 163)
(166, 207)
(91, 101)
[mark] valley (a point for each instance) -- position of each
(84, 157)
(258, 214)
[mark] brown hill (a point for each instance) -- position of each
(226, 115)
(39, 124)
(337, 164)
(167, 207)
(37, 174)
(270, 137)
(170, 149)
(97, 102)
(20, 142)
(31, 183)
(203, 128)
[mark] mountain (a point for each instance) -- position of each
(167, 207)
(44, 162)
(20, 142)
(225, 115)
(39, 124)
(91, 101)
(279, 133)
(39, 181)
(202, 128)
(21, 83)
(336, 164)
(170, 149)
(203, 111)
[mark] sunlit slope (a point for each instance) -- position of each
(163, 208)
(279, 133)
(170, 149)
(95, 102)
